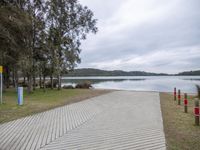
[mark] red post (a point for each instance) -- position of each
(179, 97)
(185, 103)
(174, 94)
(196, 111)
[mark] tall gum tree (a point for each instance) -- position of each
(69, 23)
(42, 38)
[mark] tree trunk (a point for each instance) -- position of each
(30, 84)
(7, 77)
(51, 78)
(40, 82)
(15, 78)
(33, 48)
(59, 82)
(44, 85)
(24, 80)
(34, 83)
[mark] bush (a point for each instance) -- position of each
(68, 87)
(84, 85)
(55, 83)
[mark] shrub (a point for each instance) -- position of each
(68, 87)
(84, 85)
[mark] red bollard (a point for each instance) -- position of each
(185, 103)
(174, 94)
(179, 97)
(196, 111)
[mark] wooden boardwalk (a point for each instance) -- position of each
(118, 120)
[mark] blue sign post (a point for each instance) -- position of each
(20, 95)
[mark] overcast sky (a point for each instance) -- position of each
(144, 35)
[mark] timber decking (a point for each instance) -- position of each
(118, 120)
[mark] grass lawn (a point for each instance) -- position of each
(40, 101)
(180, 130)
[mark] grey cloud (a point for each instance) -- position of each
(175, 30)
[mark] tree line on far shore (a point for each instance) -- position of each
(41, 39)
(98, 72)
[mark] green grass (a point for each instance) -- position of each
(40, 101)
(180, 130)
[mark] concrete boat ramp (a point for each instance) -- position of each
(117, 120)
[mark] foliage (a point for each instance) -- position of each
(191, 73)
(42, 38)
(97, 72)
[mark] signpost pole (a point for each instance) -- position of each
(1, 91)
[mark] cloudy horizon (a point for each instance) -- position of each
(143, 35)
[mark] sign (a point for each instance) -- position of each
(1, 69)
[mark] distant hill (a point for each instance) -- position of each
(98, 72)
(190, 73)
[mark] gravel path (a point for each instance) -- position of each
(118, 120)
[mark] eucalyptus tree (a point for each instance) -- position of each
(42, 38)
(69, 23)
(36, 10)
(15, 30)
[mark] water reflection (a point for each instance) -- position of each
(140, 83)
(95, 81)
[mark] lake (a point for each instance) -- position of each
(139, 83)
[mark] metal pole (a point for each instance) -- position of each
(1, 87)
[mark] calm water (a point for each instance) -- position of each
(140, 83)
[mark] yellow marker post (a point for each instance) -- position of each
(1, 74)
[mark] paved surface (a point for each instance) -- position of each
(118, 120)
